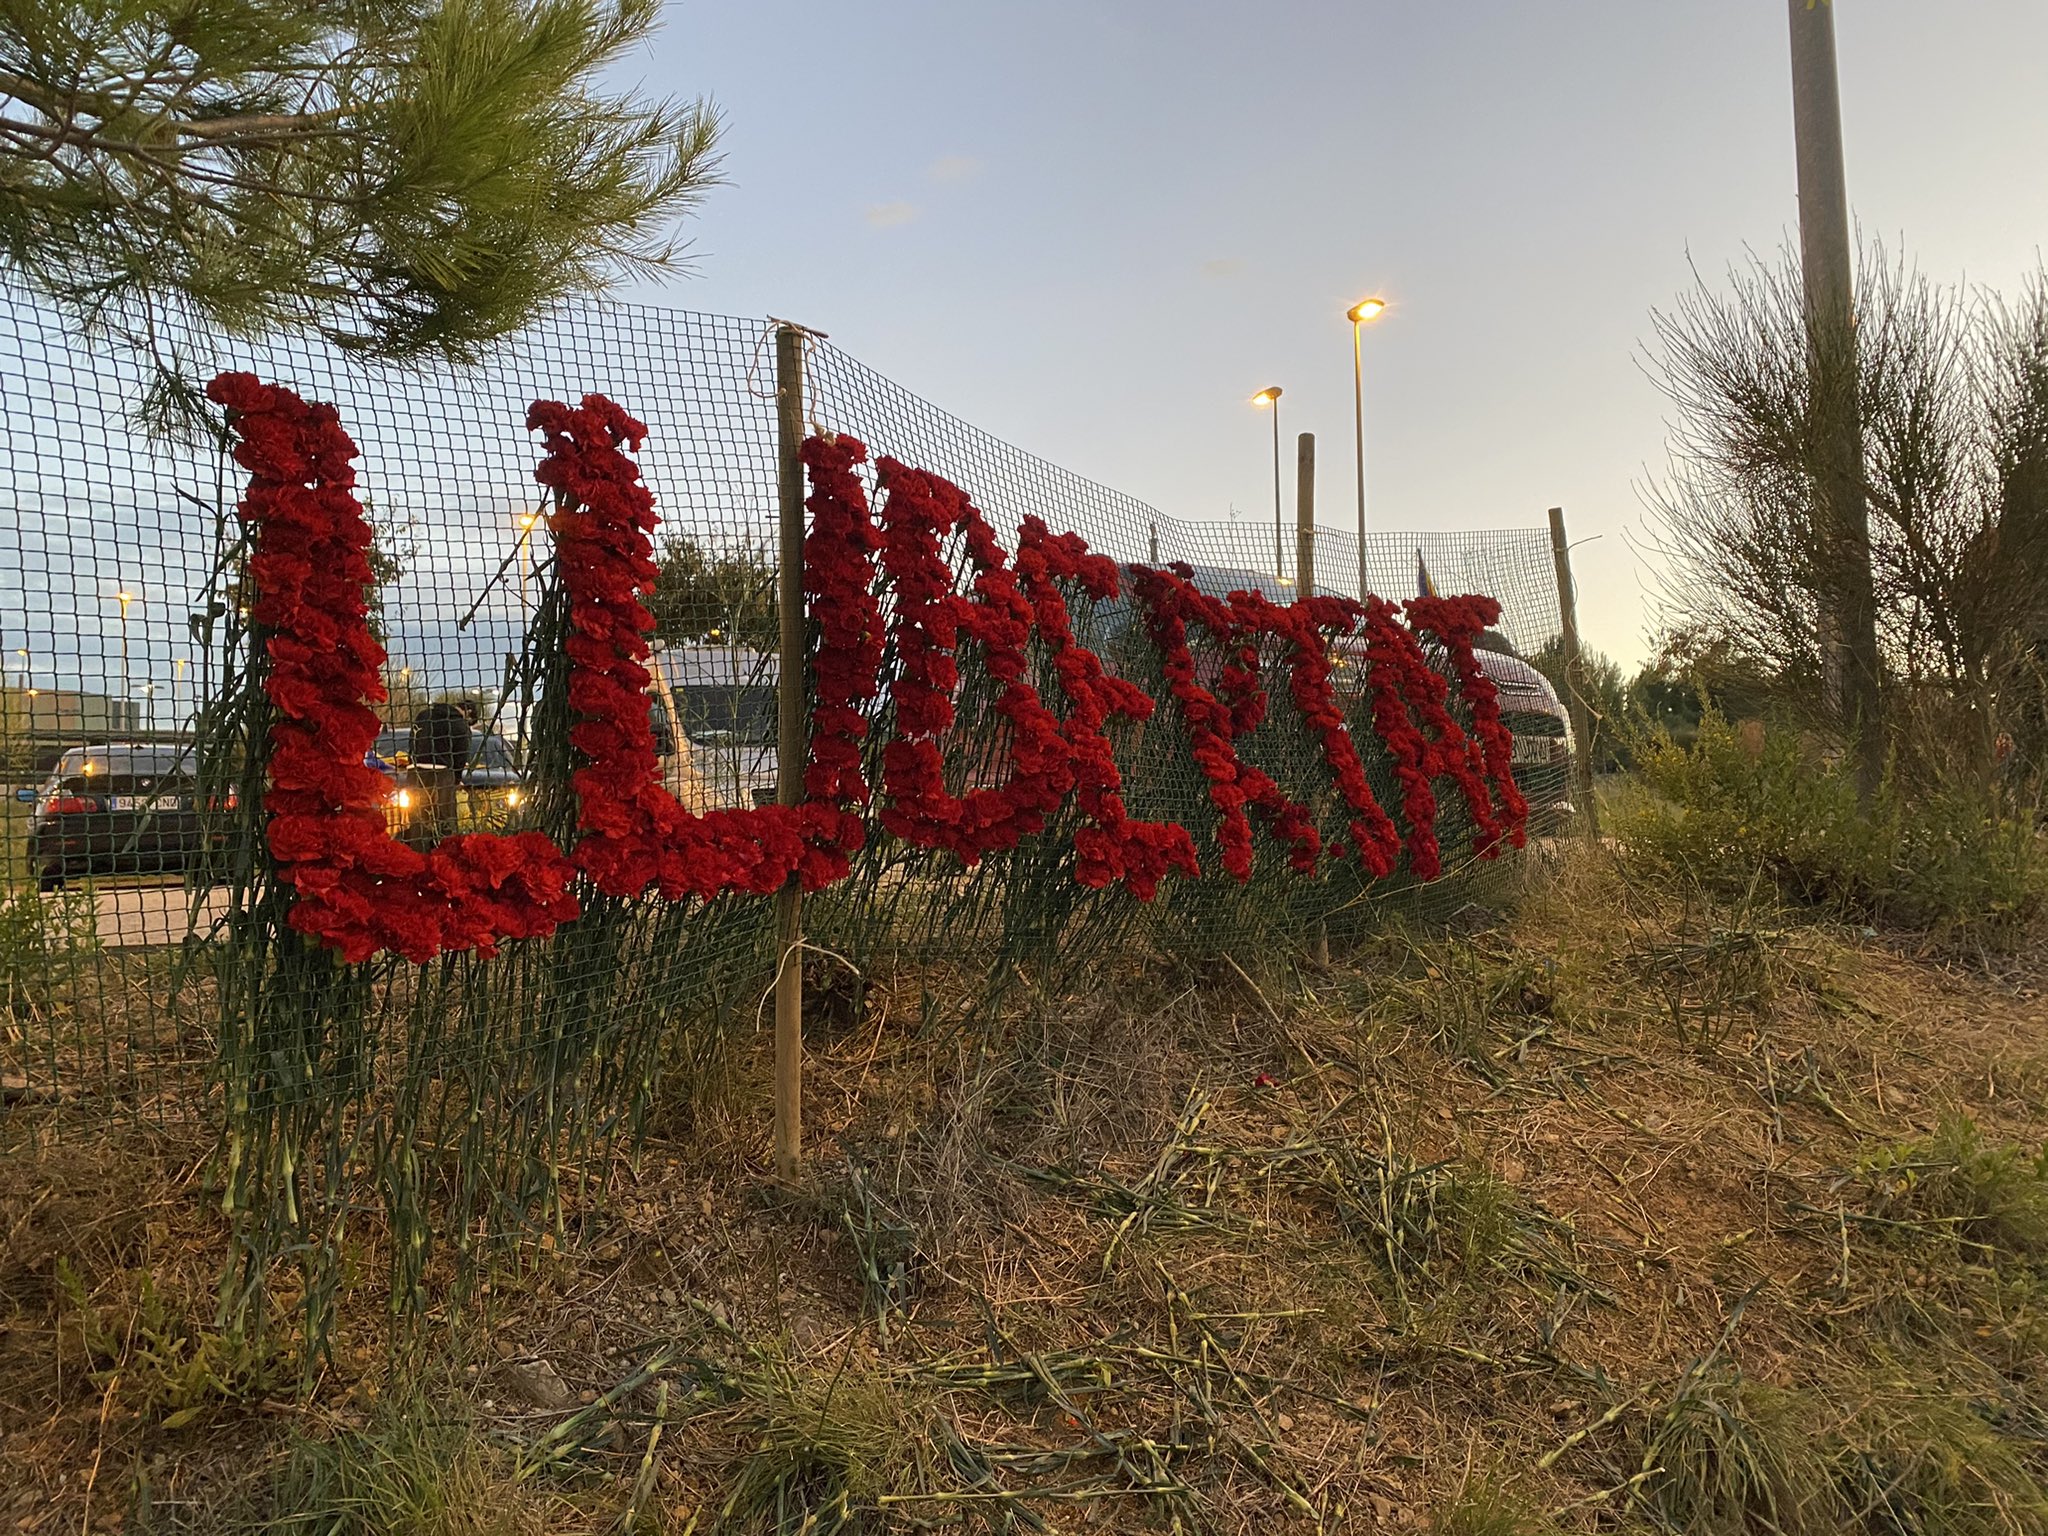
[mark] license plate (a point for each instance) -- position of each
(121, 802)
(1532, 749)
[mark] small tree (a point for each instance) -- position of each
(409, 179)
(724, 595)
(1953, 397)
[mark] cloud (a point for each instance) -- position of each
(954, 168)
(891, 215)
(1221, 266)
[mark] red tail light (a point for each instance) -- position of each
(70, 805)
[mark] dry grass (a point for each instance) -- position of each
(1637, 1209)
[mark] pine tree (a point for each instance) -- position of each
(409, 178)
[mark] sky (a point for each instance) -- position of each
(1095, 230)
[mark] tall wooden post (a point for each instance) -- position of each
(789, 754)
(1305, 586)
(1574, 679)
(1305, 515)
(1851, 669)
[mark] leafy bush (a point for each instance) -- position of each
(1743, 803)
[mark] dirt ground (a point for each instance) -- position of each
(1623, 1210)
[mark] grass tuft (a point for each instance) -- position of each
(412, 1474)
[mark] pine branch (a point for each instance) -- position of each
(404, 180)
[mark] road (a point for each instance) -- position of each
(136, 916)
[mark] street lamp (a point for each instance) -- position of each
(124, 598)
(1270, 396)
(1358, 314)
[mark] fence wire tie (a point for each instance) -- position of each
(800, 947)
(768, 328)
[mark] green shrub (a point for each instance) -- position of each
(1745, 803)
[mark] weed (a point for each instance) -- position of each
(43, 939)
(1917, 1463)
(885, 1247)
(1889, 1454)
(1483, 1507)
(1473, 1003)
(165, 1365)
(1735, 806)
(1987, 1196)
(1728, 1453)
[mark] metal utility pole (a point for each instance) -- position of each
(1850, 666)
(1360, 314)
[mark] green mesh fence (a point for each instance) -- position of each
(147, 971)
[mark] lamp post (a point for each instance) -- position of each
(124, 598)
(1270, 397)
(1358, 314)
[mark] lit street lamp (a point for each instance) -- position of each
(1358, 314)
(1270, 396)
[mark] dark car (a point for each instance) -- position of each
(494, 785)
(122, 808)
(492, 764)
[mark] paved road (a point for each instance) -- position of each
(134, 916)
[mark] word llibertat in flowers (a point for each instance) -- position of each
(361, 892)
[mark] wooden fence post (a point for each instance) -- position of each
(1305, 515)
(1305, 586)
(789, 755)
(1574, 680)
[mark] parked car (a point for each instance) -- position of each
(121, 808)
(493, 785)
